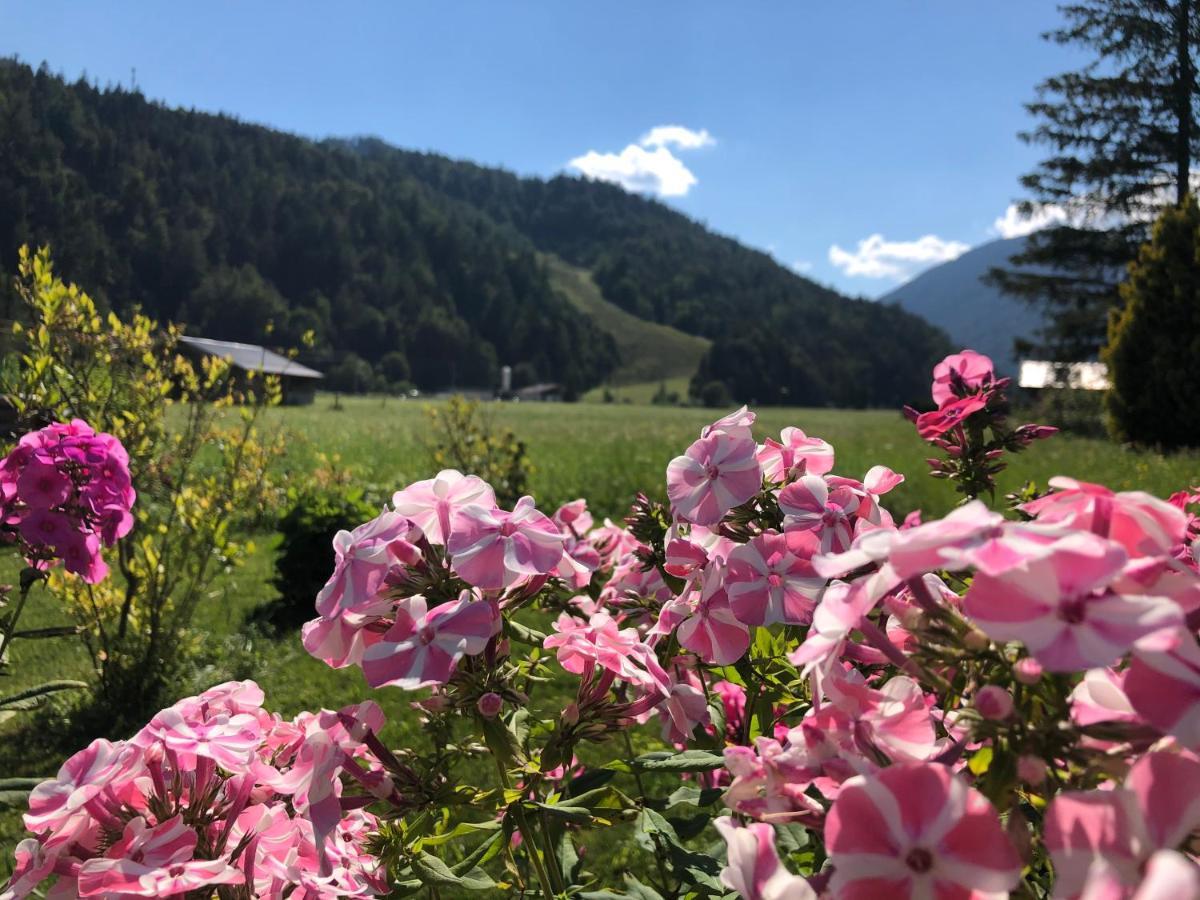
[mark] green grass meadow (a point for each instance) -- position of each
(604, 452)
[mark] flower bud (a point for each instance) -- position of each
(1031, 769)
(490, 704)
(570, 715)
(993, 703)
(1027, 670)
(975, 640)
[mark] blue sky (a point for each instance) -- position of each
(858, 140)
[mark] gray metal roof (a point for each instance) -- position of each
(251, 357)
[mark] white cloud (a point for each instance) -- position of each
(648, 166)
(638, 169)
(877, 257)
(682, 138)
(1014, 223)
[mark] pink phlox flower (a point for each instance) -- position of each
(970, 536)
(599, 641)
(684, 558)
(737, 424)
(81, 778)
(917, 830)
(793, 455)
(612, 542)
(342, 640)
(1163, 686)
(753, 870)
(769, 781)
(932, 425)
(1101, 697)
(424, 645)
(1142, 524)
(682, 710)
(715, 474)
(771, 579)
(811, 503)
(841, 609)
(1166, 875)
(1061, 607)
(33, 865)
(579, 560)
(574, 518)
(713, 632)
(492, 549)
(1155, 810)
(139, 851)
(972, 370)
(365, 560)
(432, 504)
(894, 718)
(191, 730)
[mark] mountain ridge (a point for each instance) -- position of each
(409, 267)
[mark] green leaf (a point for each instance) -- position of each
(523, 634)
(518, 725)
(981, 761)
(640, 891)
(687, 761)
(578, 814)
(432, 870)
(588, 781)
(32, 698)
(694, 795)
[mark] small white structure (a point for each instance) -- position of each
(1081, 376)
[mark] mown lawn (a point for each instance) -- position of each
(605, 452)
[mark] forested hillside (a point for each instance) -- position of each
(408, 266)
(229, 227)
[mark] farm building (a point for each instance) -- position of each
(1037, 375)
(299, 383)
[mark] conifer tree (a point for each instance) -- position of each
(1154, 341)
(1122, 136)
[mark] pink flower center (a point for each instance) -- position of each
(833, 515)
(774, 579)
(427, 634)
(919, 860)
(1073, 610)
(177, 870)
(508, 529)
(712, 472)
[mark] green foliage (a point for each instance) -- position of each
(1154, 341)
(306, 555)
(462, 436)
(197, 480)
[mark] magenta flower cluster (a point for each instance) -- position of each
(65, 491)
(213, 791)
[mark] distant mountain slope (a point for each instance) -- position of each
(974, 314)
(648, 351)
(777, 337)
(414, 267)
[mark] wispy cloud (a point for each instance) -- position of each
(803, 266)
(1015, 223)
(648, 166)
(678, 136)
(877, 257)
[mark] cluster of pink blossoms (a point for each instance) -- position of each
(65, 491)
(214, 791)
(970, 403)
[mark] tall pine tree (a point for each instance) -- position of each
(1122, 135)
